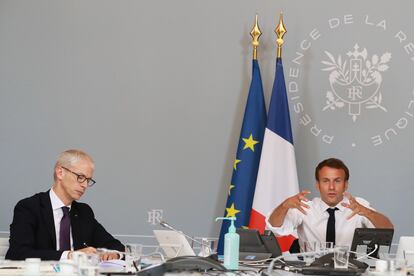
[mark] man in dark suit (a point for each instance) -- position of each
(51, 225)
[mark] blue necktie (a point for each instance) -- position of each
(64, 233)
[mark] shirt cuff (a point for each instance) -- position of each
(64, 255)
(283, 230)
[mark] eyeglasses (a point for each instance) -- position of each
(81, 178)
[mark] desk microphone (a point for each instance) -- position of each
(168, 226)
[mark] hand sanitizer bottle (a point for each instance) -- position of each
(231, 245)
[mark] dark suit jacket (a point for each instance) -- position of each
(32, 232)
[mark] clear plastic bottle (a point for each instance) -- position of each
(231, 245)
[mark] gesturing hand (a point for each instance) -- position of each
(298, 201)
(357, 209)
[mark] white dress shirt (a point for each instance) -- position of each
(312, 226)
(57, 205)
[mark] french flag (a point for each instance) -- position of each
(277, 177)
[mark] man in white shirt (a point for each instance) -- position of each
(332, 217)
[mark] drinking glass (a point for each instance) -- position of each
(79, 257)
(325, 248)
(88, 264)
(88, 270)
(209, 246)
(133, 254)
(396, 266)
(309, 248)
(341, 256)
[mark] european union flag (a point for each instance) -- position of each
(246, 164)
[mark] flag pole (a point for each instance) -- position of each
(249, 149)
(255, 34)
(280, 32)
(277, 176)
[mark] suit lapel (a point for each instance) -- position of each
(47, 213)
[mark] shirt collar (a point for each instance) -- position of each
(323, 206)
(55, 200)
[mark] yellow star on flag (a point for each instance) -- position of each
(231, 187)
(249, 142)
(231, 212)
(237, 161)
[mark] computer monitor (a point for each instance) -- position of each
(367, 240)
(405, 249)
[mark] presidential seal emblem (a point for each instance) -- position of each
(357, 92)
(355, 82)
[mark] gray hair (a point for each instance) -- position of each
(69, 158)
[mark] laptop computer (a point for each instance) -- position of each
(405, 249)
(173, 243)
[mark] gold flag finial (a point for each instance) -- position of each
(280, 32)
(255, 33)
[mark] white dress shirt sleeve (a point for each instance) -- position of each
(365, 221)
(292, 220)
(64, 255)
